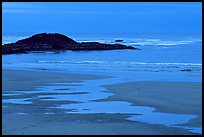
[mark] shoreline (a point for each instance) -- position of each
(166, 97)
(40, 78)
(105, 125)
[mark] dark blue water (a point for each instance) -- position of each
(163, 56)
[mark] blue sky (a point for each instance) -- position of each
(102, 17)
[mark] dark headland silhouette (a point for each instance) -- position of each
(55, 42)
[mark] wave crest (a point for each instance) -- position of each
(121, 62)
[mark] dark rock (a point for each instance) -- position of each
(119, 40)
(186, 70)
(55, 42)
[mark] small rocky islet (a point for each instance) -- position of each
(56, 42)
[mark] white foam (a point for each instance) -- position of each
(159, 42)
(122, 62)
(20, 113)
(49, 113)
(147, 42)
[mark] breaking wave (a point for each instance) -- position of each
(120, 62)
(148, 42)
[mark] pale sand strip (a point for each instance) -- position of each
(169, 97)
(60, 123)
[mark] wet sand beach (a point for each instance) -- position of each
(42, 117)
(167, 97)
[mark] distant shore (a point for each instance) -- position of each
(169, 97)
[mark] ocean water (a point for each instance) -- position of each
(167, 57)
(162, 57)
